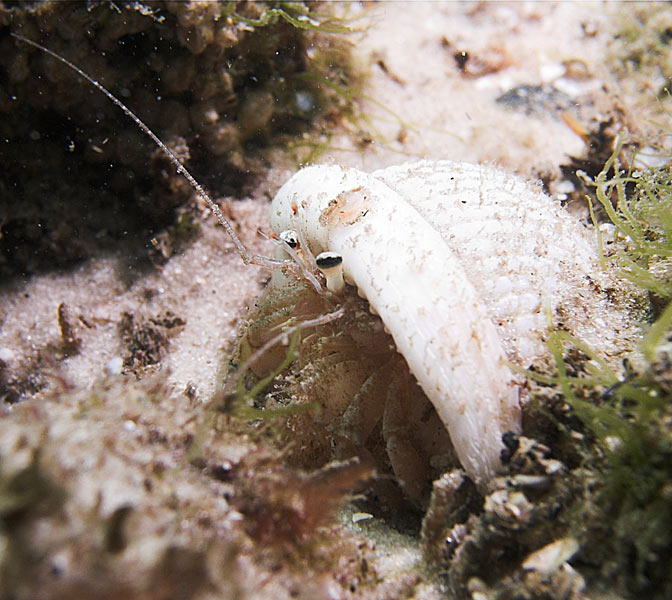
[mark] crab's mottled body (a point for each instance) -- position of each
(461, 262)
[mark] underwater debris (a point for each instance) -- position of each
(537, 100)
(640, 51)
(285, 508)
(146, 340)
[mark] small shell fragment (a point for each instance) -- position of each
(361, 516)
(551, 557)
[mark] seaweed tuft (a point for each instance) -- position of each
(623, 516)
(641, 50)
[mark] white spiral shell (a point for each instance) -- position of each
(459, 261)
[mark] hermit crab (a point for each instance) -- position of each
(463, 265)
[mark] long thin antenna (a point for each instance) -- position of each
(248, 258)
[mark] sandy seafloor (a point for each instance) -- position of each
(421, 106)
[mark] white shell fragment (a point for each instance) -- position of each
(551, 557)
(461, 262)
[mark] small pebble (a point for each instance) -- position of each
(114, 366)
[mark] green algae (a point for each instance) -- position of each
(623, 514)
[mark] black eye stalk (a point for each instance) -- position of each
(331, 266)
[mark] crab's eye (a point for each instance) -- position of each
(290, 238)
(331, 265)
(328, 260)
